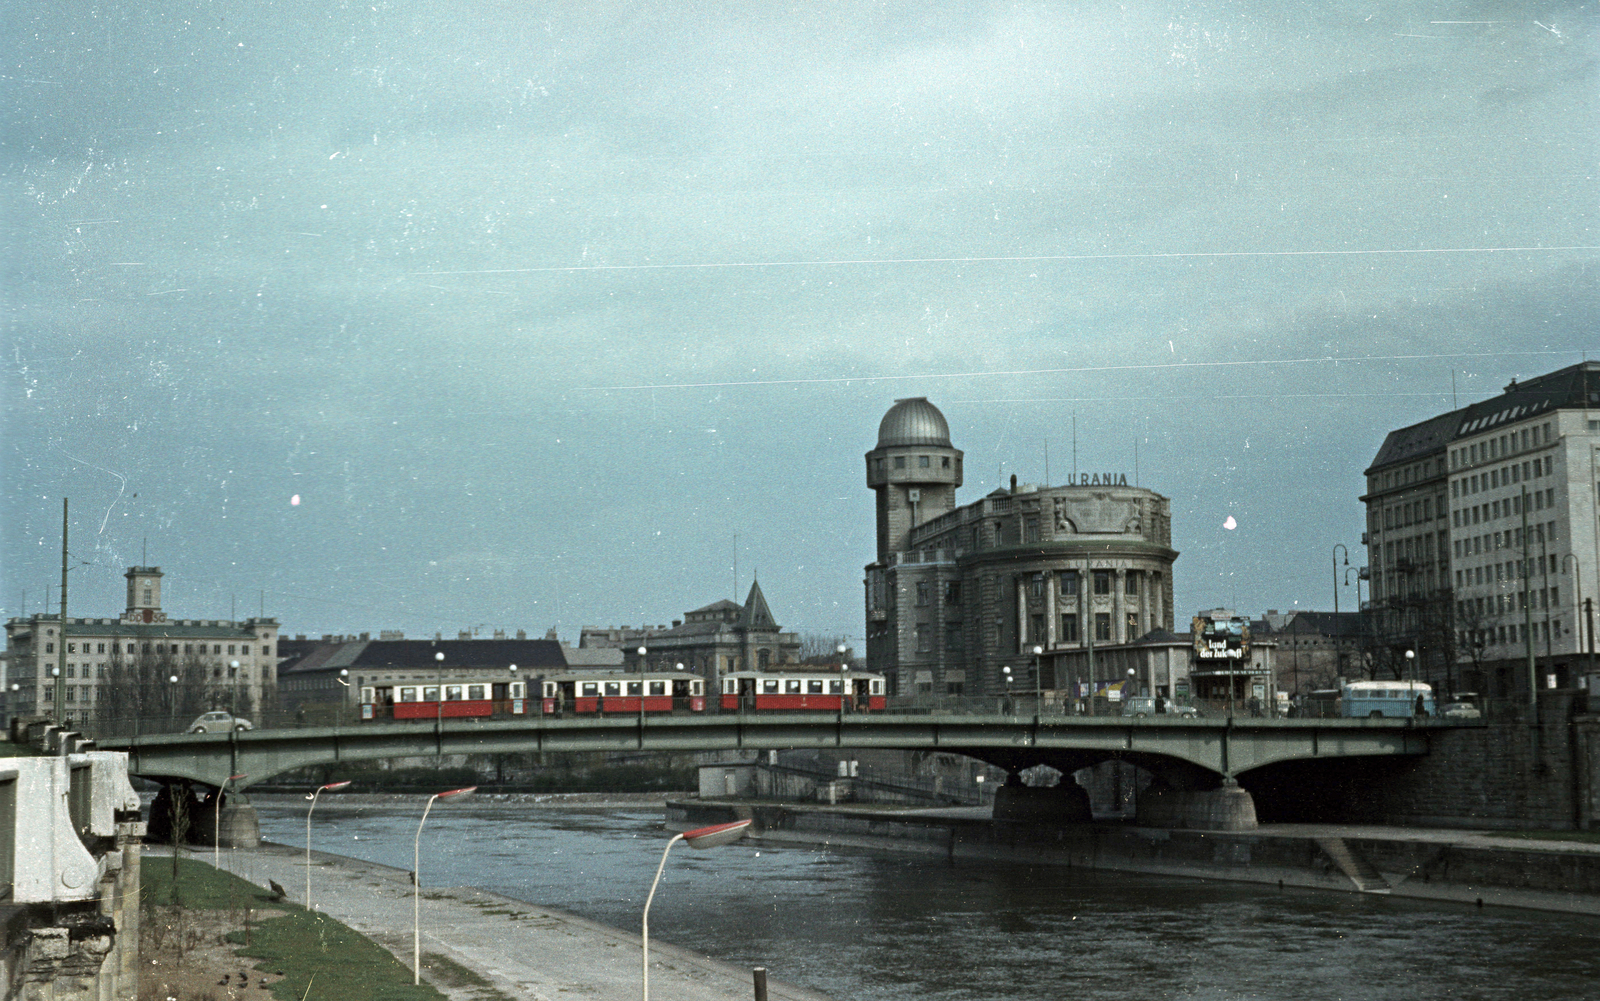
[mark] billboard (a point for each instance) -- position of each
(1221, 639)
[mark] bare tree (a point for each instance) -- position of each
(822, 648)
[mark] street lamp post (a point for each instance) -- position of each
(172, 702)
(1577, 610)
(642, 652)
(233, 689)
(1336, 547)
(416, 881)
(704, 837)
(1038, 682)
(216, 823)
(1005, 672)
(312, 796)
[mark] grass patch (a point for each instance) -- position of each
(1585, 837)
(452, 974)
(313, 952)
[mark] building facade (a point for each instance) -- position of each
(142, 663)
(721, 637)
(959, 593)
(1482, 539)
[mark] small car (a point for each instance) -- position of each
(219, 722)
(1145, 705)
(1461, 710)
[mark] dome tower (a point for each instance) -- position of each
(914, 470)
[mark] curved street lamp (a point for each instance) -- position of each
(216, 823)
(416, 881)
(312, 796)
(1336, 547)
(702, 837)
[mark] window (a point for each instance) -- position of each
(1131, 583)
(477, 691)
(72, 648)
(1069, 628)
(49, 648)
(953, 687)
(922, 462)
(769, 686)
(1036, 624)
(613, 687)
(952, 638)
(408, 695)
(658, 688)
(453, 693)
(944, 463)
(922, 592)
(1102, 627)
(952, 592)
(899, 462)
(1102, 582)
(814, 687)
(922, 637)
(791, 686)
(635, 688)
(1069, 582)
(1036, 586)
(1133, 627)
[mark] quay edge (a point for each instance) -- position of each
(1425, 865)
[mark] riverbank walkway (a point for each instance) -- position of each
(522, 950)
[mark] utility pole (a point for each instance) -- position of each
(61, 641)
(1527, 615)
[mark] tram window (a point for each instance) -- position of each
(697, 687)
(613, 688)
(770, 687)
(519, 689)
(430, 693)
(658, 688)
(877, 686)
(792, 686)
(452, 693)
(549, 689)
(477, 692)
(366, 695)
(408, 695)
(730, 686)
(835, 687)
(814, 687)
(635, 688)
(591, 688)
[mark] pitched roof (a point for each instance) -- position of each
(756, 613)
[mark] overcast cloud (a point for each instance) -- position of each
(536, 308)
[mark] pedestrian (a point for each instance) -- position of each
(1161, 703)
(1422, 707)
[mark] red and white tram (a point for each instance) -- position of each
(794, 690)
(466, 697)
(589, 692)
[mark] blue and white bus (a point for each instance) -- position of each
(1365, 699)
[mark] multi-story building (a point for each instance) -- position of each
(958, 594)
(141, 663)
(1482, 538)
(720, 637)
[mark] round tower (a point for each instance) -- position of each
(914, 470)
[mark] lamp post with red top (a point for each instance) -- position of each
(416, 881)
(312, 796)
(702, 837)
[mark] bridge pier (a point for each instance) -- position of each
(1226, 808)
(1065, 803)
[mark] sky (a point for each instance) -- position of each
(478, 316)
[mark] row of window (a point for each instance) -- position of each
(1069, 582)
(923, 462)
(1516, 632)
(1510, 602)
(100, 671)
(216, 648)
(1414, 473)
(1501, 446)
(1510, 538)
(1505, 508)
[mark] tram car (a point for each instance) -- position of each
(650, 692)
(796, 690)
(454, 699)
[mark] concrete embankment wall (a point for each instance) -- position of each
(1506, 774)
(1537, 878)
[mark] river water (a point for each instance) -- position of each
(862, 926)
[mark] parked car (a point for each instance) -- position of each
(219, 722)
(1461, 710)
(1145, 705)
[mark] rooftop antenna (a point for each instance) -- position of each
(1135, 461)
(1453, 405)
(1047, 462)
(145, 551)
(1074, 446)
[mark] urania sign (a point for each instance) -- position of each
(1098, 480)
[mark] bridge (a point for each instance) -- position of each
(1192, 757)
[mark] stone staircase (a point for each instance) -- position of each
(1351, 862)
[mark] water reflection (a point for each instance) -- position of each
(862, 926)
